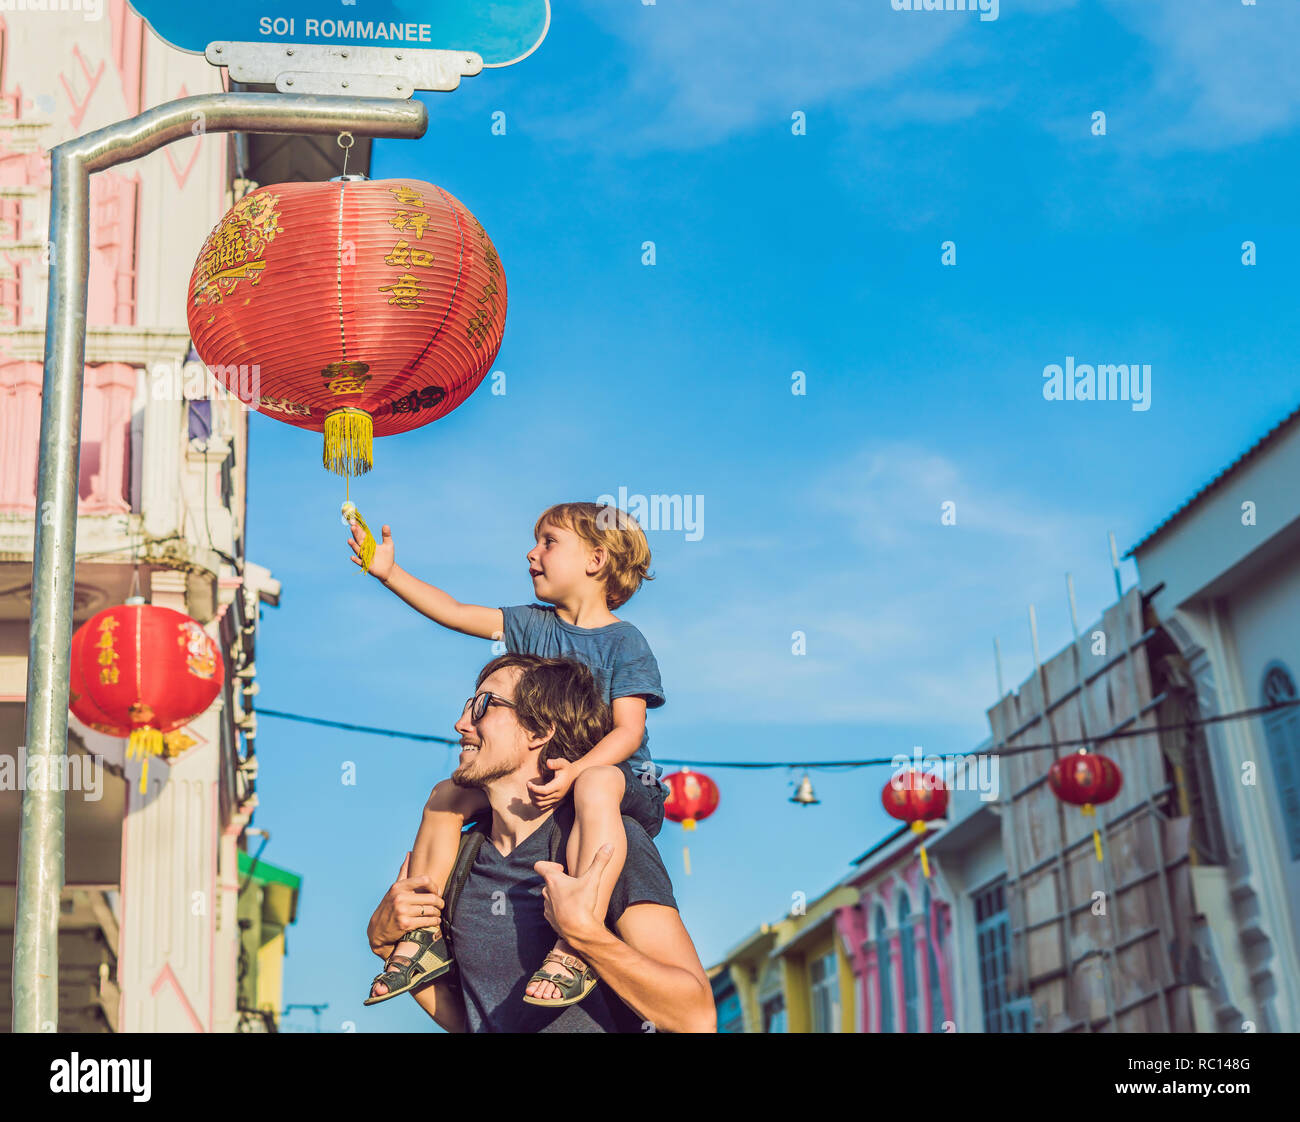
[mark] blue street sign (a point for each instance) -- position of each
(502, 31)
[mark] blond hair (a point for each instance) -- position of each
(601, 526)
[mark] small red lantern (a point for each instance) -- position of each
(692, 797)
(140, 671)
(917, 798)
(365, 308)
(1086, 779)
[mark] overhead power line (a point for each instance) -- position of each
(426, 737)
(755, 765)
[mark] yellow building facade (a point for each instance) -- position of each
(793, 975)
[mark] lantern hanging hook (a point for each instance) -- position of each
(347, 148)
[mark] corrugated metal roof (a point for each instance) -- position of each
(1250, 453)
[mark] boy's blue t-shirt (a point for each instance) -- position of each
(617, 655)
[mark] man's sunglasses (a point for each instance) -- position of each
(480, 702)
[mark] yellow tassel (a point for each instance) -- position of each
(144, 742)
(925, 862)
(1096, 842)
(686, 859)
(349, 438)
(353, 516)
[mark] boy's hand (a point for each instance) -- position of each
(547, 795)
(385, 555)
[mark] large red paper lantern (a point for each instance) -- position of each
(691, 798)
(140, 671)
(353, 307)
(1086, 779)
(916, 798)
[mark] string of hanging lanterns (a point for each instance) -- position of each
(1085, 778)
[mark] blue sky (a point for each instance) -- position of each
(778, 253)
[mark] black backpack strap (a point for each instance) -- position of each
(470, 841)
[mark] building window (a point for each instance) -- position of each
(730, 1017)
(200, 419)
(823, 974)
(774, 1014)
(1282, 732)
(932, 957)
(992, 939)
(885, 964)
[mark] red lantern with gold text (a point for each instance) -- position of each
(1086, 779)
(368, 307)
(141, 671)
(918, 798)
(691, 798)
(352, 307)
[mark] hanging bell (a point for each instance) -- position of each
(804, 796)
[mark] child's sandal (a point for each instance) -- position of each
(572, 990)
(404, 973)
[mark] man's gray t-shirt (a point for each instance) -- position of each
(500, 936)
(617, 655)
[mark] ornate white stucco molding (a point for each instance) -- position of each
(1257, 885)
(134, 345)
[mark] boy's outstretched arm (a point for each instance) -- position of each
(468, 619)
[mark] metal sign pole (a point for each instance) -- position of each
(40, 863)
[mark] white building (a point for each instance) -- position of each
(970, 874)
(154, 923)
(1223, 576)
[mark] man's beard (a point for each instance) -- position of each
(466, 776)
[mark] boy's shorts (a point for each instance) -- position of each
(642, 801)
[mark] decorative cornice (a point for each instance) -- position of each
(135, 345)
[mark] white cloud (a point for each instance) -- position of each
(727, 66)
(898, 611)
(1224, 73)
(1219, 73)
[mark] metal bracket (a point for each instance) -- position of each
(345, 71)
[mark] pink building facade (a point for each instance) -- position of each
(150, 934)
(898, 936)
